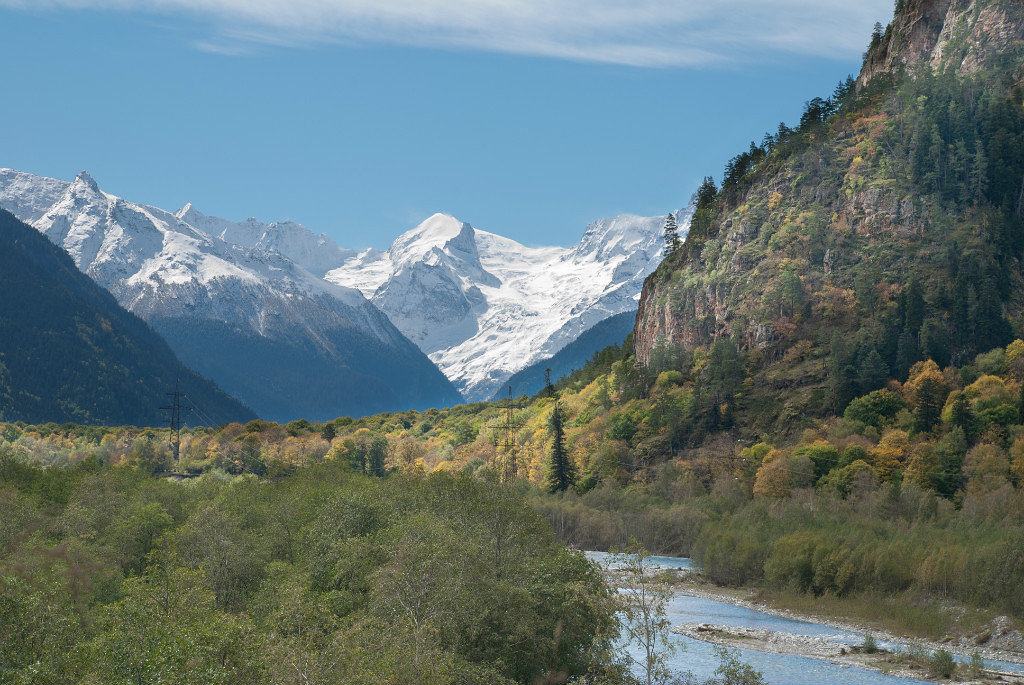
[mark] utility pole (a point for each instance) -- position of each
(509, 473)
(175, 410)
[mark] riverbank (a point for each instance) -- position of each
(988, 640)
(910, 664)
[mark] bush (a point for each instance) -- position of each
(976, 667)
(623, 427)
(942, 664)
(869, 646)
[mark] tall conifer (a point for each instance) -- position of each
(672, 242)
(561, 473)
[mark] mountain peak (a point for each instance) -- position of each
(84, 179)
(434, 232)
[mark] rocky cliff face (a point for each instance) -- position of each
(910, 181)
(963, 35)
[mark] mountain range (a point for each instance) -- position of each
(296, 326)
(243, 313)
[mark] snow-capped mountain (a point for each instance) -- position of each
(241, 303)
(483, 307)
(279, 316)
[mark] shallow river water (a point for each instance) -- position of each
(778, 669)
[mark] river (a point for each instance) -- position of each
(699, 657)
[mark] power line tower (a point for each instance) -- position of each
(511, 449)
(175, 410)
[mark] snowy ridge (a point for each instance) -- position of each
(195, 277)
(483, 306)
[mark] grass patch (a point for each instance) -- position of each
(901, 614)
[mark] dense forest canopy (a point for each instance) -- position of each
(110, 575)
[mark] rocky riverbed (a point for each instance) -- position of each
(999, 640)
(910, 664)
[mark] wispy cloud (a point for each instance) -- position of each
(647, 33)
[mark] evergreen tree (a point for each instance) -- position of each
(561, 473)
(935, 341)
(962, 416)
(873, 372)
(549, 387)
(672, 242)
(704, 208)
(991, 328)
(876, 34)
(929, 399)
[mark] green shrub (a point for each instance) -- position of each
(622, 427)
(977, 665)
(942, 664)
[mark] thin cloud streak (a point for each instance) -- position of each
(642, 33)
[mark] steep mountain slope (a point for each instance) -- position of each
(575, 355)
(483, 306)
(885, 229)
(70, 353)
(266, 329)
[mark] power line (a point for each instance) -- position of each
(175, 410)
(510, 448)
(203, 416)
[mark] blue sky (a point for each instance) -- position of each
(529, 119)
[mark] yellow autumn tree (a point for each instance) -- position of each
(922, 465)
(919, 373)
(987, 468)
(1013, 363)
(888, 456)
(773, 478)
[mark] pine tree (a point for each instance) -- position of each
(561, 474)
(962, 416)
(873, 372)
(929, 400)
(704, 208)
(876, 34)
(672, 242)
(549, 387)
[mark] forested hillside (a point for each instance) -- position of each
(885, 229)
(69, 352)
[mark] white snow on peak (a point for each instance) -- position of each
(315, 252)
(483, 306)
(159, 263)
